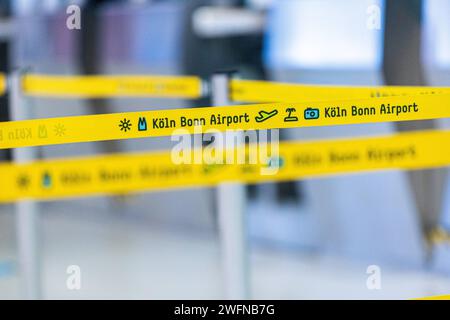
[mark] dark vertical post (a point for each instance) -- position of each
(4, 68)
(90, 57)
(403, 66)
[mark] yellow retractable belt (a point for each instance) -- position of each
(439, 236)
(129, 125)
(265, 91)
(120, 173)
(112, 86)
(442, 297)
(2, 83)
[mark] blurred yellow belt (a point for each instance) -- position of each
(130, 125)
(2, 83)
(112, 86)
(122, 173)
(266, 91)
(191, 87)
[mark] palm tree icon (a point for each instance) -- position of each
(290, 117)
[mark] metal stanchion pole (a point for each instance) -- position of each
(231, 205)
(27, 211)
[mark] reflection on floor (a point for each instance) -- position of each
(133, 258)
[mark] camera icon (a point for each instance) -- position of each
(311, 114)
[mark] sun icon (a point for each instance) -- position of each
(125, 125)
(60, 130)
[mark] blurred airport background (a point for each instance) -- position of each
(307, 239)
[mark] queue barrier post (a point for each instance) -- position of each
(27, 211)
(231, 205)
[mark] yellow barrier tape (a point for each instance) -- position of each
(443, 297)
(2, 83)
(439, 236)
(157, 170)
(264, 91)
(112, 86)
(244, 117)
